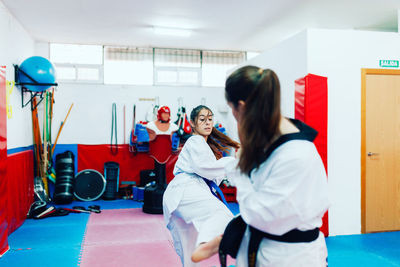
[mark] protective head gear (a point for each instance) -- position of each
(163, 109)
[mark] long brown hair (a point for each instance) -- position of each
(259, 125)
(217, 141)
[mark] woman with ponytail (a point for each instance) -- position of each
(280, 179)
(192, 211)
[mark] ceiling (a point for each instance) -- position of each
(251, 25)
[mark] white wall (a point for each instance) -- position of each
(90, 119)
(340, 55)
(15, 46)
(288, 60)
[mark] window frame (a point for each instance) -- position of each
(177, 70)
(100, 68)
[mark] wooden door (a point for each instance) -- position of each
(380, 151)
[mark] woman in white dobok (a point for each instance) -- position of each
(281, 182)
(192, 212)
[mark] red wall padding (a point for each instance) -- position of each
(19, 188)
(130, 164)
(3, 163)
(311, 107)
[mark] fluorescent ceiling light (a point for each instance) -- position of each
(172, 31)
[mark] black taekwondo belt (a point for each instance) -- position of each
(234, 233)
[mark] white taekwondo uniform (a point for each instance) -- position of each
(288, 191)
(191, 212)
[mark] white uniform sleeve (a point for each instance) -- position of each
(289, 194)
(204, 162)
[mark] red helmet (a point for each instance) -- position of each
(163, 109)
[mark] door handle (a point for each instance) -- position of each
(372, 154)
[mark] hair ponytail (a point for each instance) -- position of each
(220, 142)
(260, 90)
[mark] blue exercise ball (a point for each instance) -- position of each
(40, 70)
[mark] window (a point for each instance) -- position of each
(164, 57)
(76, 54)
(177, 76)
(143, 66)
(127, 65)
(216, 64)
(66, 72)
(77, 63)
(177, 67)
(87, 73)
(79, 73)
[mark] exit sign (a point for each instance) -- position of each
(389, 63)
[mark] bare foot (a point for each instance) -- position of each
(206, 250)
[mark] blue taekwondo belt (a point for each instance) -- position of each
(215, 190)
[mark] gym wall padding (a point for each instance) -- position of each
(311, 107)
(94, 157)
(3, 164)
(19, 188)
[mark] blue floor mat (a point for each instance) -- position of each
(42, 257)
(56, 241)
(378, 249)
(53, 241)
(63, 231)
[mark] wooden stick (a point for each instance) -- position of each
(59, 130)
(44, 158)
(36, 138)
